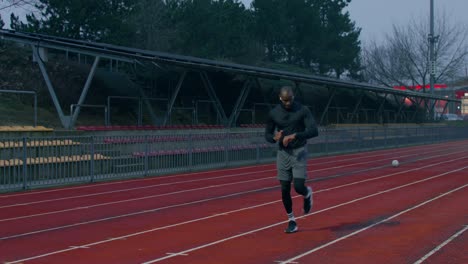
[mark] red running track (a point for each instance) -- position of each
(365, 211)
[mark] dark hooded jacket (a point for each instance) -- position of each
(298, 119)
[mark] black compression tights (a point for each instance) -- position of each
(299, 186)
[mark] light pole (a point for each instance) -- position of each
(432, 40)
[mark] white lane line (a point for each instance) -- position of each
(130, 189)
(176, 254)
(372, 225)
(441, 245)
(174, 193)
(78, 247)
(212, 199)
(198, 180)
(236, 236)
(132, 214)
(97, 185)
(134, 199)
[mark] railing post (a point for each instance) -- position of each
(25, 164)
(190, 152)
(227, 147)
(385, 137)
(146, 155)
(359, 138)
(326, 142)
(92, 159)
(373, 137)
(35, 109)
(257, 148)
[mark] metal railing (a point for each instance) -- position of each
(35, 162)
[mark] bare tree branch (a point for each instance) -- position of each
(403, 59)
(6, 4)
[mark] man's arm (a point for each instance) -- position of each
(311, 129)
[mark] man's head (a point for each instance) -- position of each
(286, 96)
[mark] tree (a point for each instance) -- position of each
(339, 46)
(211, 29)
(104, 20)
(313, 34)
(403, 58)
(152, 30)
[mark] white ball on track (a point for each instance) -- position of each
(395, 163)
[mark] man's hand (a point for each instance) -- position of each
(278, 135)
(288, 139)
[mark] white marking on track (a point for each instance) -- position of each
(212, 199)
(439, 247)
(236, 236)
(372, 225)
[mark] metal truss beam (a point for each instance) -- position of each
(149, 107)
(240, 102)
(356, 107)
(170, 105)
(212, 94)
(63, 118)
(330, 99)
(381, 108)
(84, 93)
(400, 106)
(118, 52)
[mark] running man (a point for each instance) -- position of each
(289, 125)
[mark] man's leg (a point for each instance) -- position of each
(287, 202)
(306, 191)
(300, 175)
(283, 163)
(286, 196)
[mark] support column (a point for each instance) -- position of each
(84, 93)
(214, 98)
(63, 118)
(173, 98)
(240, 103)
(330, 99)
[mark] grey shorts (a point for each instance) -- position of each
(291, 164)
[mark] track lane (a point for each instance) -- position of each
(452, 250)
(243, 217)
(403, 239)
(24, 209)
(111, 211)
(316, 231)
(96, 230)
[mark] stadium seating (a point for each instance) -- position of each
(25, 129)
(252, 125)
(171, 138)
(41, 143)
(200, 150)
(50, 160)
(147, 127)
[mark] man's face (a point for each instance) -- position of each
(287, 99)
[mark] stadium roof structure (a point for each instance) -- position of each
(131, 55)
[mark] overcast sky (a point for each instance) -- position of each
(376, 17)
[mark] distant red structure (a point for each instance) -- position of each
(420, 87)
(460, 94)
(439, 105)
